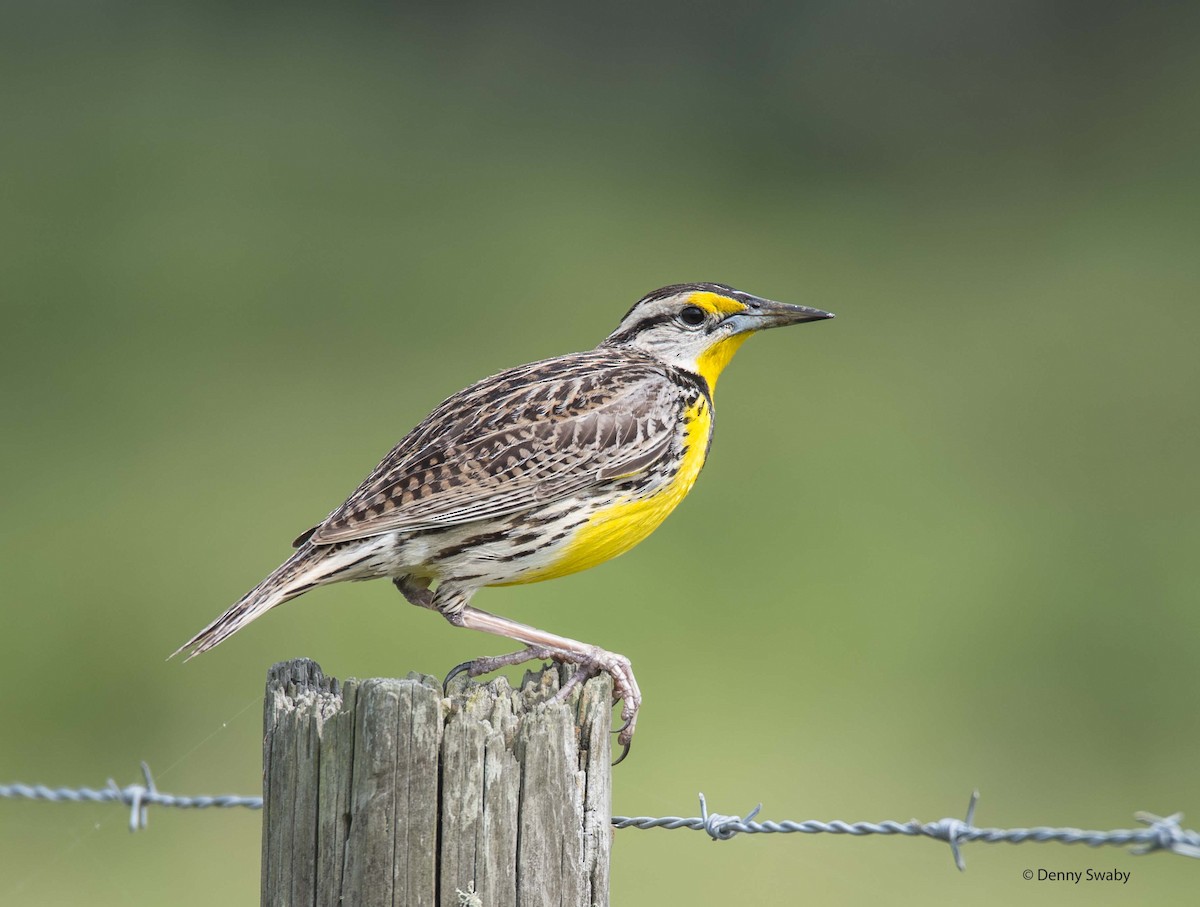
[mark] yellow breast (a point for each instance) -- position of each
(627, 521)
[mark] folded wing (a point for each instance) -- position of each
(520, 439)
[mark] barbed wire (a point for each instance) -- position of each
(1162, 833)
(136, 796)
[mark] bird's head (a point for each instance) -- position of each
(699, 326)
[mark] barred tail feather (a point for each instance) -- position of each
(309, 567)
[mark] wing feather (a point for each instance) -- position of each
(520, 439)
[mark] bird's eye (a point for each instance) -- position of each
(692, 316)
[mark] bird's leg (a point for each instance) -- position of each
(592, 660)
(416, 591)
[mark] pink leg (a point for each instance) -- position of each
(592, 660)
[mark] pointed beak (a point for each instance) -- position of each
(761, 314)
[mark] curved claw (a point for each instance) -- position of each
(455, 671)
(625, 732)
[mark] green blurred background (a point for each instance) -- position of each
(947, 541)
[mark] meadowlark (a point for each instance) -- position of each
(536, 472)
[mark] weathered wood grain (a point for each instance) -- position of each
(390, 792)
(334, 797)
(299, 699)
(481, 786)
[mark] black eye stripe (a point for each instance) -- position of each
(652, 321)
(633, 330)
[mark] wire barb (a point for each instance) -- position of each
(722, 828)
(138, 796)
(1169, 835)
(951, 830)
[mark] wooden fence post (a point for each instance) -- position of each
(391, 792)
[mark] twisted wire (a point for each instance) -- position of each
(136, 796)
(1162, 833)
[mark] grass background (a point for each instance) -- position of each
(945, 542)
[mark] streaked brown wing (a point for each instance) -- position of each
(522, 438)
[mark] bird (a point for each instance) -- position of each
(533, 473)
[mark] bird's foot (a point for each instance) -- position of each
(590, 662)
(489, 663)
